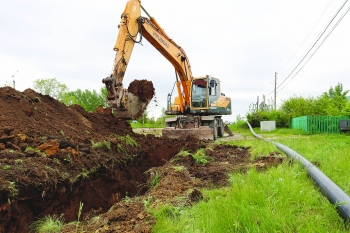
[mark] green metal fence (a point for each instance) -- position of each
(318, 124)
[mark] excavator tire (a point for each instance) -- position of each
(220, 131)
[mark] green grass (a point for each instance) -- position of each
(48, 224)
(281, 199)
(330, 153)
(106, 144)
(200, 156)
(128, 140)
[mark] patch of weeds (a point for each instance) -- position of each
(98, 221)
(43, 138)
(12, 189)
(65, 175)
(120, 148)
(36, 150)
(183, 153)
(87, 132)
(62, 133)
(18, 161)
(68, 158)
(11, 151)
(154, 179)
(128, 140)
(106, 144)
(6, 167)
(84, 173)
(201, 157)
(47, 224)
(179, 168)
(147, 202)
(56, 161)
(49, 168)
(127, 199)
(169, 212)
(79, 214)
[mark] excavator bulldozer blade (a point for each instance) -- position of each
(227, 130)
(203, 132)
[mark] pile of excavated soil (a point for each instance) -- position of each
(53, 158)
(142, 88)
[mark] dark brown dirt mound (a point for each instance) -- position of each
(143, 89)
(53, 157)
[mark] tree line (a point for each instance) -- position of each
(333, 102)
(88, 100)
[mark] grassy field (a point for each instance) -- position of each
(282, 199)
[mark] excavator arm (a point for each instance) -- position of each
(132, 26)
(199, 101)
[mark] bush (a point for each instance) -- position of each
(282, 119)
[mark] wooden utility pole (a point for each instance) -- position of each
(275, 89)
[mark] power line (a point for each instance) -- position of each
(313, 44)
(318, 20)
(336, 24)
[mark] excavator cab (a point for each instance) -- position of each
(200, 93)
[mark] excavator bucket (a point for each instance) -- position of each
(203, 132)
(134, 108)
(135, 99)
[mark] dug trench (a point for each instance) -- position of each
(57, 161)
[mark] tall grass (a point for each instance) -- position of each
(330, 153)
(282, 199)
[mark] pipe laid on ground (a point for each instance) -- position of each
(333, 192)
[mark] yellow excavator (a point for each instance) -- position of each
(199, 104)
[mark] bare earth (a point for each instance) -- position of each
(54, 157)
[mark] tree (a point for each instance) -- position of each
(334, 101)
(299, 106)
(51, 87)
(87, 99)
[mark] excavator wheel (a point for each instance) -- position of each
(221, 131)
(214, 126)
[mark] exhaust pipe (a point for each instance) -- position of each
(333, 192)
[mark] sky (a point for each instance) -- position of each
(243, 43)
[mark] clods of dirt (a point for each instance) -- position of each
(53, 158)
(142, 88)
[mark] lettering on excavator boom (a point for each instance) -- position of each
(161, 39)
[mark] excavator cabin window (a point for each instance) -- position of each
(199, 97)
(212, 87)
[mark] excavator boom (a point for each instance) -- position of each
(199, 101)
